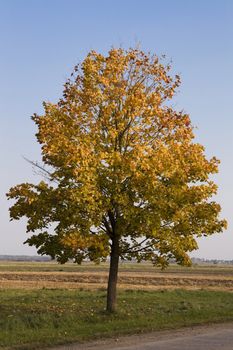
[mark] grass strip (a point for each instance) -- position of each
(40, 318)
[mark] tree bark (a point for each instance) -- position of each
(112, 279)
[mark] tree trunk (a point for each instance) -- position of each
(112, 279)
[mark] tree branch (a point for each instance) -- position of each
(44, 172)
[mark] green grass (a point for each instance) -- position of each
(18, 266)
(33, 319)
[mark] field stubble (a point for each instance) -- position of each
(131, 276)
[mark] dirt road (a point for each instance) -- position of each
(215, 337)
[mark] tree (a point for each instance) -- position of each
(123, 175)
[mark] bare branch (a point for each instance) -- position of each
(44, 172)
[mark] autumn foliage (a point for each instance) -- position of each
(124, 177)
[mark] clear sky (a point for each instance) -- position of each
(41, 41)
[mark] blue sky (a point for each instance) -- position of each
(41, 41)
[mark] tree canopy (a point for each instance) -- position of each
(123, 174)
